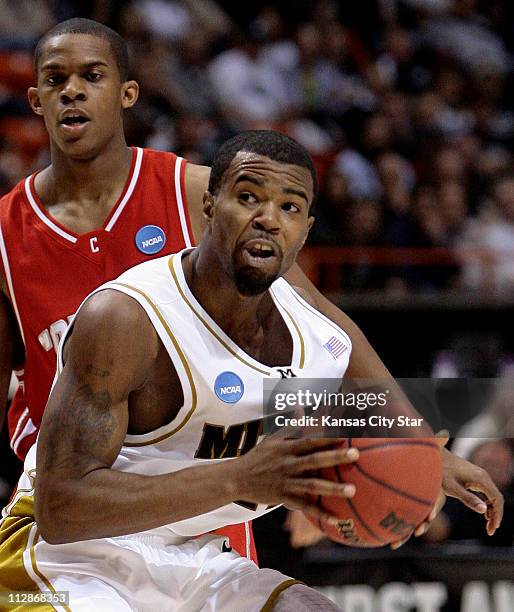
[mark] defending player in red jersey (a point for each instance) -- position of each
(100, 208)
(97, 210)
(49, 267)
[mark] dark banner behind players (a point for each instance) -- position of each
(453, 578)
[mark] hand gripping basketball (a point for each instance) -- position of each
(397, 481)
(279, 471)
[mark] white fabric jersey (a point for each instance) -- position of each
(222, 385)
(166, 568)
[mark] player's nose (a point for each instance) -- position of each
(73, 90)
(267, 217)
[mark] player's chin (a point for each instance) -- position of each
(84, 143)
(251, 281)
(79, 148)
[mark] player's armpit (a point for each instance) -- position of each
(196, 183)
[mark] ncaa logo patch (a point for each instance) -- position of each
(229, 388)
(150, 239)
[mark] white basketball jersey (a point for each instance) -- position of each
(222, 385)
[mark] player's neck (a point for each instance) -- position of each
(239, 316)
(92, 179)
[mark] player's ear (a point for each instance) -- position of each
(34, 101)
(208, 206)
(129, 94)
(310, 221)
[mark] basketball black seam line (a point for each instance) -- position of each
(390, 445)
(413, 498)
(357, 514)
(364, 524)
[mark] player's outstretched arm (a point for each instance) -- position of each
(109, 355)
(460, 477)
(9, 341)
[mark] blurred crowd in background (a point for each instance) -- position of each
(406, 106)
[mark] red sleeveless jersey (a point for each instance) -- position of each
(49, 270)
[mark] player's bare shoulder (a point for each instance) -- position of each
(114, 319)
(197, 176)
(304, 294)
(196, 184)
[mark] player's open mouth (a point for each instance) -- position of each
(259, 252)
(73, 122)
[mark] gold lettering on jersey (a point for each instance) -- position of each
(218, 442)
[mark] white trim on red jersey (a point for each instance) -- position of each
(180, 203)
(64, 234)
(128, 193)
(248, 540)
(46, 220)
(28, 429)
(19, 424)
(7, 269)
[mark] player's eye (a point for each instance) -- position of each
(290, 207)
(247, 198)
(93, 76)
(55, 79)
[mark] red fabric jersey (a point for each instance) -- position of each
(49, 270)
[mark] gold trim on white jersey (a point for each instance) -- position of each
(194, 395)
(175, 265)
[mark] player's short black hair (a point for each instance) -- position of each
(80, 25)
(274, 145)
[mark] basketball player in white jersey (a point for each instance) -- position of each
(147, 437)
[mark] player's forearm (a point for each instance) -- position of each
(365, 367)
(106, 502)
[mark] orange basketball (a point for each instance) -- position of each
(397, 482)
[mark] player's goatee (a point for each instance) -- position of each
(251, 282)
